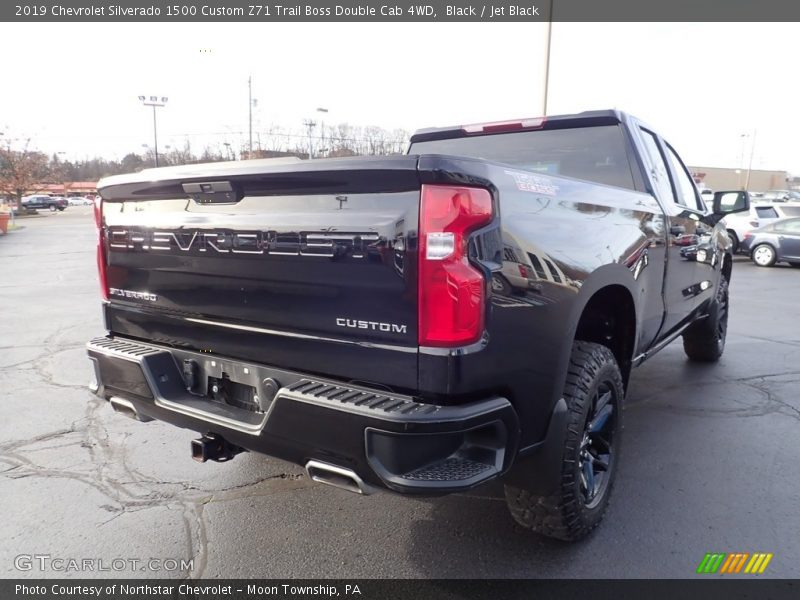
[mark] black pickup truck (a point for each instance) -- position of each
(421, 323)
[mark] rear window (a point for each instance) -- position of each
(766, 212)
(595, 154)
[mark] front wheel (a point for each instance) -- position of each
(594, 394)
(764, 255)
(734, 241)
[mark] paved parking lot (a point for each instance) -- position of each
(710, 459)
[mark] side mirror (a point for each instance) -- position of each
(726, 203)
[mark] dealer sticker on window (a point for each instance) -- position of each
(527, 182)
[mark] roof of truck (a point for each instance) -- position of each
(592, 117)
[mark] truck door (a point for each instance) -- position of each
(682, 286)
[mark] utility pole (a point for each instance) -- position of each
(250, 113)
(323, 112)
(740, 170)
(310, 126)
(750, 166)
(547, 60)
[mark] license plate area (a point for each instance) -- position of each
(239, 395)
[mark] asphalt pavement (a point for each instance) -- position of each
(710, 460)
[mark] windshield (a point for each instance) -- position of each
(595, 154)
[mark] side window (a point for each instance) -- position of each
(766, 212)
(553, 271)
(684, 186)
(791, 226)
(659, 174)
(791, 211)
(537, 266)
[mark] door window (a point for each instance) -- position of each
(791, 226)
(659, 173)
(685, 190)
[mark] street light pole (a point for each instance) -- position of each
(155, 102)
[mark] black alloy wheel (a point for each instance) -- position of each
(596, 452)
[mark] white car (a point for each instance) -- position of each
(707, 194)
(79, 201)
(761, 213)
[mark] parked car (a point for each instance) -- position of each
(781, 196)
(707, 194)
(366, 343)
(777, 242)
(760, 213)
(37, 201)
(79, 201)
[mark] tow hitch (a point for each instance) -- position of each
(213, 447)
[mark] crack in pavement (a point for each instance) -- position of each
(771, 405)
(769, 340)
(127, 490)
(794, 411)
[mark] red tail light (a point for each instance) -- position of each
(747, 234)
(523, 271)
(451, 291)
(101, 246)
(504, 126)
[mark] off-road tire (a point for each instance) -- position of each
(705, 340)
(567, 515)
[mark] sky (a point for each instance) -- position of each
(718, 92)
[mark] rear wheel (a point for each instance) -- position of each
(705, 340)
(53, 208)
(764, 255)
(594, 395)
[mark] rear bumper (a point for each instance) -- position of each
(388, 440)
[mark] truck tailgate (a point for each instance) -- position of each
(310, 266)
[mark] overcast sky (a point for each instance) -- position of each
(73, 88)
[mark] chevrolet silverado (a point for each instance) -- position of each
(421, 323)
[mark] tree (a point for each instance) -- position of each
(131, 163)
(21, 171)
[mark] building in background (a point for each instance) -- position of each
(718, 178)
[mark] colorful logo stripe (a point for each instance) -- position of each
(728, 563)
